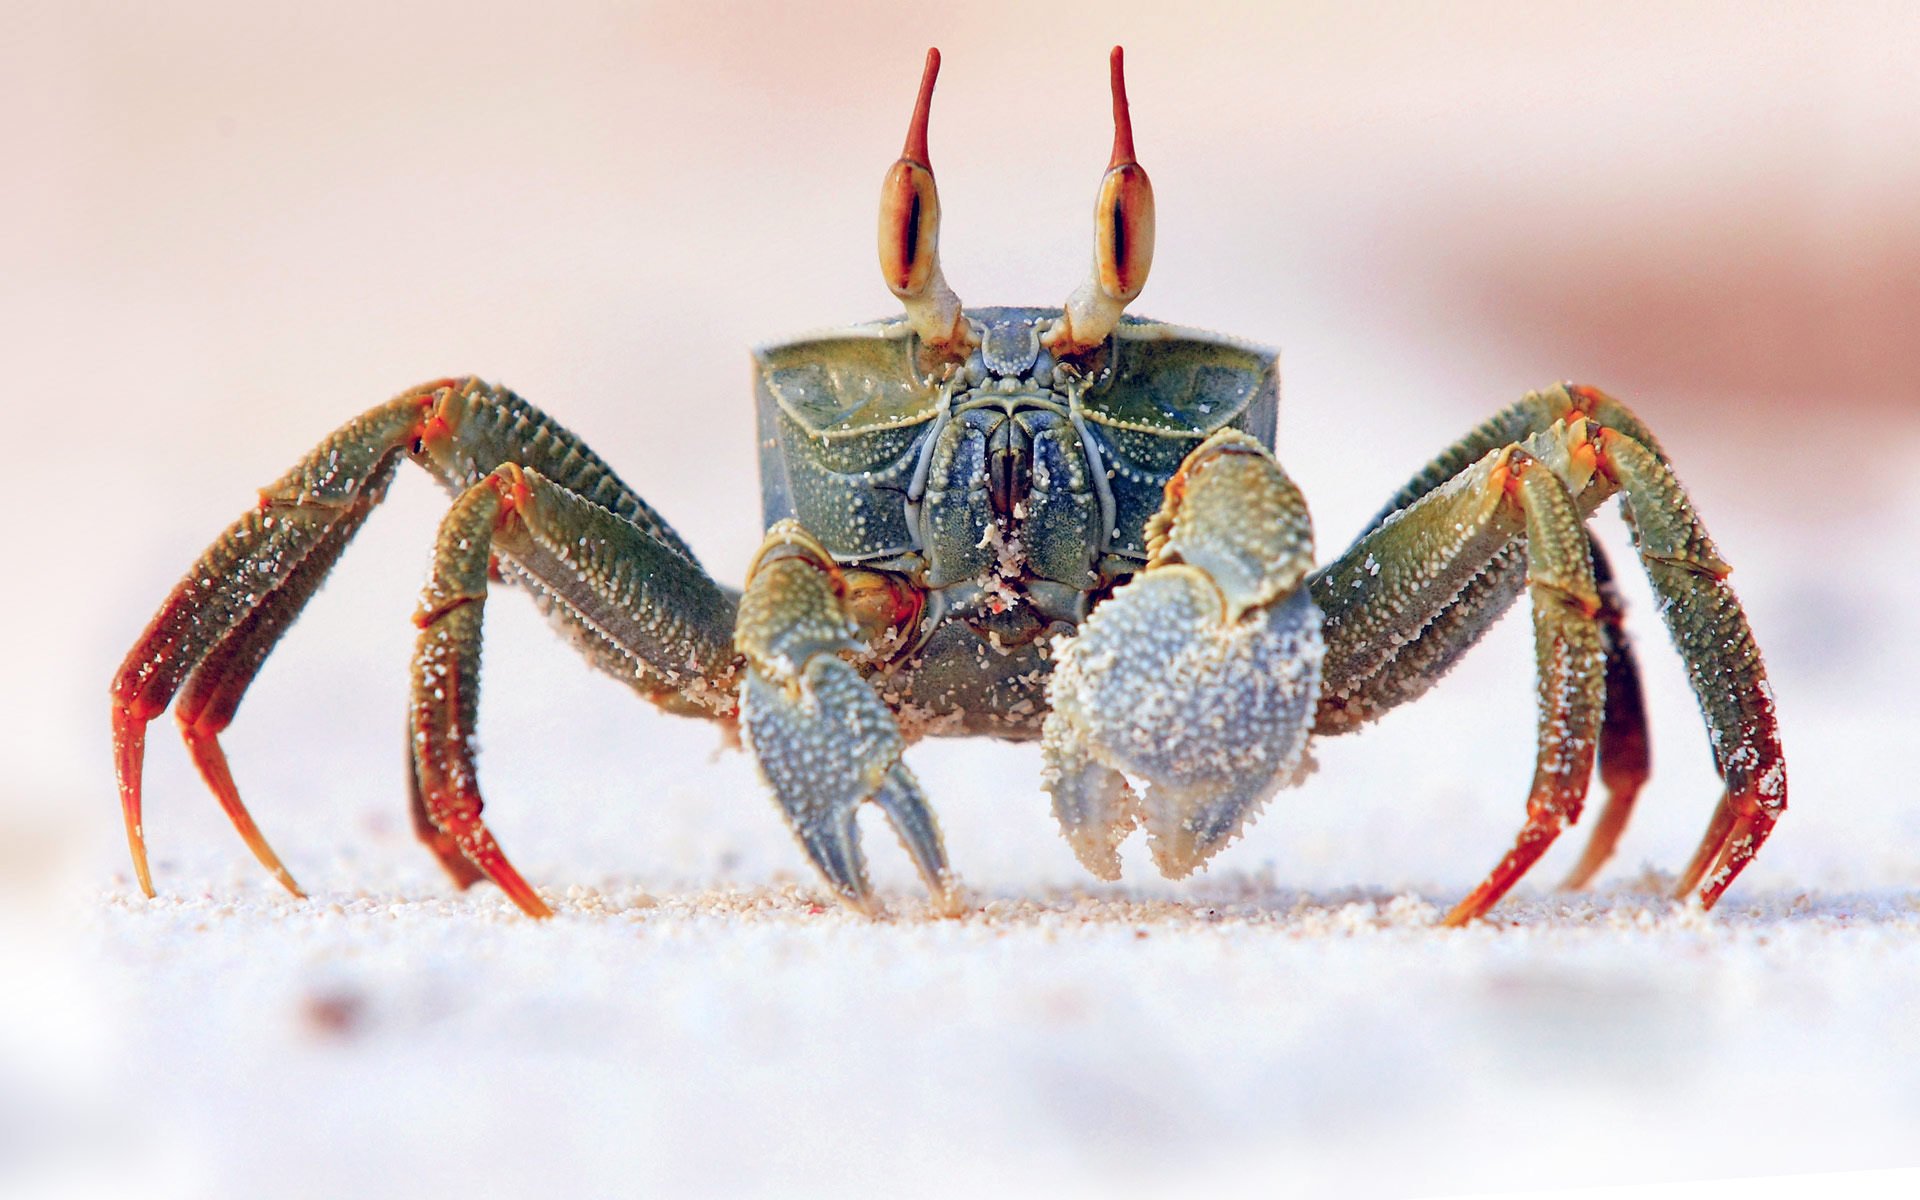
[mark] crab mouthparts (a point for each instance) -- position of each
(1009, 472)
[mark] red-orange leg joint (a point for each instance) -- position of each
(511, 482)
(434, 426)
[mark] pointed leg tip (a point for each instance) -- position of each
(950, 900)
(1473, 908)
(518, 889)
(865, 904)
(142, 873)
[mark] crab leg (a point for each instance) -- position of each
(619, 579)
(824, 739)
(213, 692)
(240, 574)
(1372, 597)
(1383, 653)
(218, 625)
(1723, 663)
(1199, 675)
(1626, 757)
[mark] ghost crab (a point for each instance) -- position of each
(1019, 522)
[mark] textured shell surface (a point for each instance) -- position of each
(1012, 489)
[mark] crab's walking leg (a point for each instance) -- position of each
(443, 845)
(823, 737)
(1723, 663)
(1626, 755)
(616, 576)
(213, 692)
(1625, 746)
(1373, 598)
(218, 625)
(1379, 658)
(1199, 675)
(252, 568)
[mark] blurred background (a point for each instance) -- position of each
(228, 227)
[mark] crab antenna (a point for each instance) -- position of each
(910, 232)
(1122, 238)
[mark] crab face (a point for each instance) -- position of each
(1014, 461)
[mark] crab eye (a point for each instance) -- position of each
(1122, 239)
(909, 228)
(1123, 243)
(1123, 215)
(910, 234)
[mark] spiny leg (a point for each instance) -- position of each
(633, 588)
(441, 844)
(1624, 743)
(213, 692)
(1723, 662)
(227, 613)
(1411, 569)
(210, 612)
(1626, 755)
(1370, 661)
(824, 739)
(1198, 675)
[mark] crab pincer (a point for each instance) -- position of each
(824, 738)
(1199, 677)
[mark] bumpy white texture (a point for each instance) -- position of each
(1212, 716)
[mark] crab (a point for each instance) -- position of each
(1062, 523)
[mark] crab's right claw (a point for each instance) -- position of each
(1200, 676)
(825, 741)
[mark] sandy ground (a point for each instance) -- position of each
(238, 225)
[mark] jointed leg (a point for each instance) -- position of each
(213, 692)
(249, 569)
(1626, 756)
(221, 621)
(1383, 651)
(616, 576)
(1398, 578)
(1723, 662)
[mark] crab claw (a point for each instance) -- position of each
(824, 739)
(1199, 677)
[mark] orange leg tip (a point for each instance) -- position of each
(203, 745)
(526, 898)
(129, 752)
(487, 856)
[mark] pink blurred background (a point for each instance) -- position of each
(226, 228)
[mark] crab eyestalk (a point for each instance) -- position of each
(1122, 239)
(910, 232)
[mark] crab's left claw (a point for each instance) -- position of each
(1199, 677)
(823, 737)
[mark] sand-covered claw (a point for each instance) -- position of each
(1198, 678)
